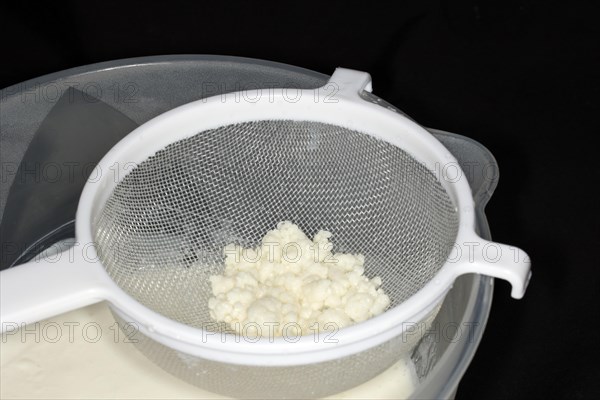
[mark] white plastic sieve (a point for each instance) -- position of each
(153, 219)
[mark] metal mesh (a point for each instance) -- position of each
(162, 231)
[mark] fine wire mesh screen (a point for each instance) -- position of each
(162, 232)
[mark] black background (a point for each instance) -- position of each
(522, 77)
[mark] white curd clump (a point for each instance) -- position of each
(292, 285)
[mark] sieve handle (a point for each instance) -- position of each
(48, 287)
(497, 260)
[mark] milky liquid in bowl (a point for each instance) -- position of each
(83, 354)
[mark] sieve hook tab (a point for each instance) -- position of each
(349, 82)
(496, 260)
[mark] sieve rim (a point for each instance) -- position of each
(350, 112)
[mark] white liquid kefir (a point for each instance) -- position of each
(83, 355)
